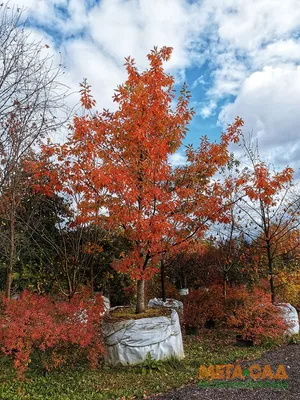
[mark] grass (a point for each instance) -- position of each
(295, 339)
(122, 383)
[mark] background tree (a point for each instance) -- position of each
(227, 241)
(268, 215)
(191, 267)
(53, 256)
(30, 97)
(36, 227)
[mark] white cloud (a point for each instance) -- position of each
(123, 28)
(84, 60)
(269, 104)
(198, 82)
(252, 49)
(279, 52)
(247, 36)
(208, 110)
(177, 159)
(95, 39)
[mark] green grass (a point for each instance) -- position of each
(295, 339)
(80, 383)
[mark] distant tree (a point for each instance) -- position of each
(31, 106)
(52, 255)
(228, 241)
(268, 215)
(36, 239)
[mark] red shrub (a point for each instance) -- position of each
(37, 322)
(250, 312)
(236, 297)
(253, 313)
(204, 304)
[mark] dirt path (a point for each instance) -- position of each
(289, 356)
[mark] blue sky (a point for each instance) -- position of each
(238, 58)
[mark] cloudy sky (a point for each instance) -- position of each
(238, 57)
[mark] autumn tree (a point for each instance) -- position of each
(119, 162)
(268, 216)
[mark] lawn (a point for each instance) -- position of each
(80, 383)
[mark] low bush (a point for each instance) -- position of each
(250, 312)
(54, 329)
(255, 316)
(202, 305)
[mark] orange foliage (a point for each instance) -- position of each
(204, 304)
(120, 161)
(254, 314)
(262, 185)
(289, 288)
(251, 312)
(37, 322)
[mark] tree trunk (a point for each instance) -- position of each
(162, 279)
(225, 287)
(272, 288)
(270, 267)
(11, 255)
(140, 301)
(92, 276)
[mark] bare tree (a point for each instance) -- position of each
(32, 104)
(228, 243)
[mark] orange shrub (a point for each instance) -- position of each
(35, 322)
(204, 304)
(255, 316)
(251, 312)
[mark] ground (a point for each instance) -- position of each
(210, 347)
(289, 356)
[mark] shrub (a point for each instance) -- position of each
(35, 322)
(249, 311)
(204, 304)
(256, 317)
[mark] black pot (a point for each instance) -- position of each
(191, 330)
(243, 342)
(209, 324)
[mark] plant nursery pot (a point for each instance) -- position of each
(129, 341)
(169, 303)
(184, 291)
(209, 324)
(290, 316)
(191, 330)
(243, 342)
